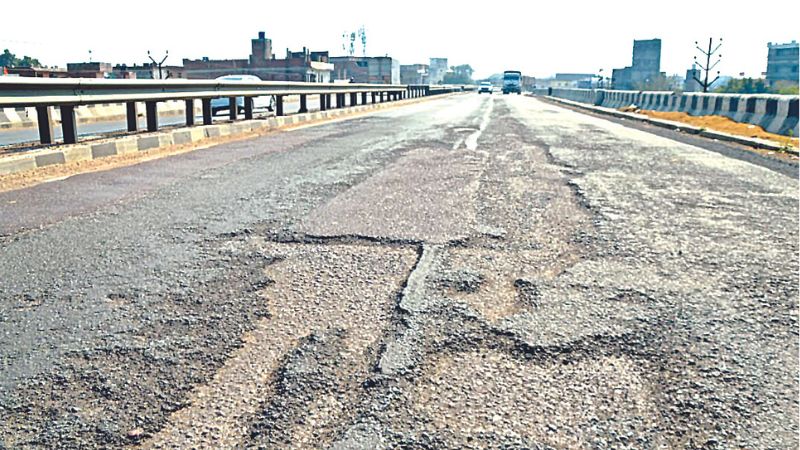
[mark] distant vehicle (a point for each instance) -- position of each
(223, 104)
(512, 81)
(485, 86)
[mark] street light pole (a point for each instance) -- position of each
(160, 75)
(708, 67)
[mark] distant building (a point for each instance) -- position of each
(366, 69)
(690, 84)
(438, 68)
(528, 82)
(782, 62)
(146, 71)
(89, 70)
(305, 65)
(34, 72)
(575, 76)
(646, 66)
(414, 73)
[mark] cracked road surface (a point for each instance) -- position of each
(468, 272)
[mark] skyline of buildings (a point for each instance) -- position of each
(319, 66)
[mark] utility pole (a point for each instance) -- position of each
(708, 67)
(160, 76)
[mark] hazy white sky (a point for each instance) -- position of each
(539, 38)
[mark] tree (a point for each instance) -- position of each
(655, 83)
(8, 59)
(27, 61)
(459, 75)
(744, 86)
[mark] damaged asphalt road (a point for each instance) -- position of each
(469, 272)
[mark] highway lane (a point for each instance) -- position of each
(465, 272)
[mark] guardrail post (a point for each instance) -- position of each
(189, 112)
(45, 121)
(353, 98)
(132, 116)
(233, 108)
(69, 126)
(278, 105)
(248, 108)
(151, 111)
(207, 115)
(303, 104)
(340, 100)
(374, 96)
(363, 98)
(322, 102)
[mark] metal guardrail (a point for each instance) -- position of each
(66, 94)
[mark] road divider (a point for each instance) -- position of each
(774, 113)
(679, 126)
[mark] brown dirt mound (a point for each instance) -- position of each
(725, 125)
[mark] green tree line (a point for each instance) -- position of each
(8, 59)
(755, 86)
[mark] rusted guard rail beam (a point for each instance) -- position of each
(67, 94)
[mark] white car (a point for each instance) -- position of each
(485, 86)
(223, 103)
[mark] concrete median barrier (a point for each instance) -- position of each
(774, 113)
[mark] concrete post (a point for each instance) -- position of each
(374, 97)
(207, 116)
(132, 115)
(353, 99)
(189, 112)
(303, 105)
(248, 108)
(278, 105)
(233, 108)
(322, 105)
(363, 98)
(151, 112)
(45, 124)
(69, 125)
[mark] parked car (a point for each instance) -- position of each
(485, 86)
(223, 103)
